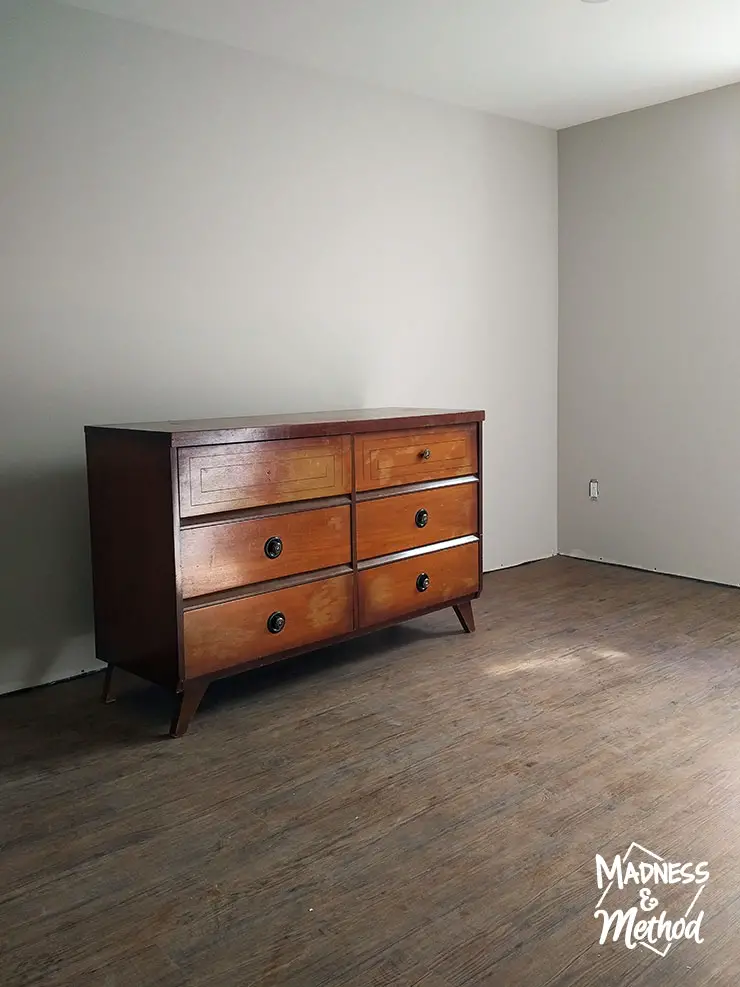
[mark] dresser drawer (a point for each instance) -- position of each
(395, 523)
(388, 459)
(226, 634)
(396, 588)
(215, 557)
(251, 474)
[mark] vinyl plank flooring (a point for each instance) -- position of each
(418, 807)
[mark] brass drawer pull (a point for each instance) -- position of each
(426, 453)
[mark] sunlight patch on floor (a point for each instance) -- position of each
(609, 653)
(533, 663)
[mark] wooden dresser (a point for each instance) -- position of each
(221, 545)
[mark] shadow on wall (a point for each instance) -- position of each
(45, 581)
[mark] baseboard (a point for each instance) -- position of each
(586, 557)
(40, 682)
(521, 562)
(24, 668)
(17, 689)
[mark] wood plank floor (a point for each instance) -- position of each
(418, 807)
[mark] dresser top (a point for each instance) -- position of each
(259, 427)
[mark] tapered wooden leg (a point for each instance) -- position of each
(107, 695)
(188, 702)
(464, 613)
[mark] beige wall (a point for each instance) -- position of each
(186, 230)
(649, 350)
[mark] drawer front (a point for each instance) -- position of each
(227, 634)
(217, 557)
(388, 459)
(251, 474)
(393, 524)
(393, 590)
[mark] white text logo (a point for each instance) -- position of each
(642, 874)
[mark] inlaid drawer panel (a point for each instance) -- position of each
(216, 557)
(394, 523)
(243, 630)
(396, 589)
(251, 474)
(387, 459)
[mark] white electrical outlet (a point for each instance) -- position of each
(593, 489)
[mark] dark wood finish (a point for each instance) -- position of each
(232, 633)
(409, 456)
(391, 590)
(353, 516)
(410, 773)
(464, 613)
(415, 553)
(339, 639)
(181, 514)
(271, 586)
(258, 428)
(107, 694)
(221, 556)
(479, 439)
(238, 475)
(176, 524)
(407, 488)
(133, 556)
(391, 524)
(186, 706)
(263, 511)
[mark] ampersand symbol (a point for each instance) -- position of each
(647, 904)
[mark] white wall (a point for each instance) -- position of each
(649, 358)
(186, 230)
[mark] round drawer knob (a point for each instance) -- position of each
(421, 518)
(273, 547)
(422, 582)
(426, 453)
(276, 622)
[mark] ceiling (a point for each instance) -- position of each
(552, 62)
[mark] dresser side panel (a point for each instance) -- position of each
(480, 507)
(130, 493)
